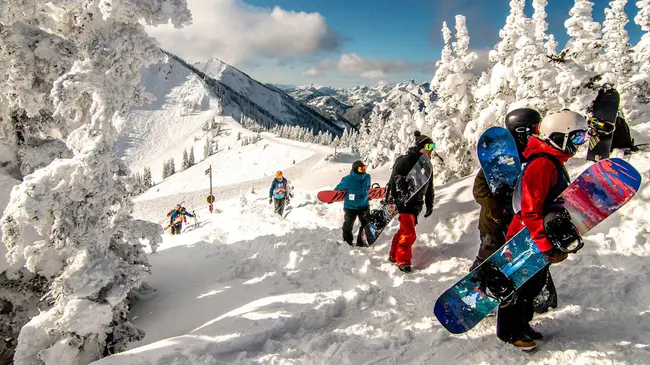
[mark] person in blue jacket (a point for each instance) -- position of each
(178, 212)
(279, 192)
(357, 185)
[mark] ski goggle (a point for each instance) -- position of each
(362, 168)
(600, 126)
(429, 146)
(578, 137)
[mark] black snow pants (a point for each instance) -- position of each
(278, 205)
(512, 320)
(348, 222)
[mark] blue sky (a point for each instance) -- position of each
(346, 42)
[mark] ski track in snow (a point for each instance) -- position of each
(247, 287)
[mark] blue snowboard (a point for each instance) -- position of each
(497, 153)
(592, 197)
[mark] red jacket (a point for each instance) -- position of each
(539, 177)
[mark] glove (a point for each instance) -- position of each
(287, 201)
(428, 212)
(555, 256)
(270, 200)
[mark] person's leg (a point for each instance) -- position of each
(348, 222)
(490, 243)
(406, 239)
(364, 217)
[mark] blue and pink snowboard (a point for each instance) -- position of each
(595, 195)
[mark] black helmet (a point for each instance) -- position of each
(522, 124)
(359, 167)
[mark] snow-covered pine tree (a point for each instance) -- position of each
(207, 148)
(80, 206)
(451, 112)
(497, 88)
(172, 167)
(618, 64)
(541, 27)
(535, 73)
(185, 161)
(641, 81)
(147, 179)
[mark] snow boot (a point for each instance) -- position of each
(534, 335)
(525, 344)
(405, 268)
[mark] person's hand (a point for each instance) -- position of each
(555, 256)
(428, 212)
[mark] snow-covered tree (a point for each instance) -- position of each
(446, 57)
(185, 161)
(89, 245)
(541, 26)
(172, 166)
(497, 88)
(641, 81)
(190, 159)
(146, 177)
(451, 112)
(207, 148)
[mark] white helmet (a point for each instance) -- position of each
(564, 130)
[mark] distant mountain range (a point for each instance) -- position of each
(353, 104)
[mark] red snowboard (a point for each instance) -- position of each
(332, 196)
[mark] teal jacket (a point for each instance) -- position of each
(357, 186)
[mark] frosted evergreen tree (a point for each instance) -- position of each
(443, 65)
(185, 161)
(89, 246)
(453, 109)
(172, 167)
(207, 148)
(641, 81)
(541, 27)
(190, 159)
(497, 88)
(146, 177)
(618, 64)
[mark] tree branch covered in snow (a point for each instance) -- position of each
(89, 246)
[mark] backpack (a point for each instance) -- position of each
(562, 183)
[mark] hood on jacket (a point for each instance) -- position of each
(536, 146)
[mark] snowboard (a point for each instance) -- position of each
(332, 196)
(176, 220)
(593, 196)
(499, 159)
(603, 124)
(416, 179)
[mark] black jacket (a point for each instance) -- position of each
(494, 217)
(402, 167)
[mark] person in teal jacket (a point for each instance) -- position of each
(357, 185)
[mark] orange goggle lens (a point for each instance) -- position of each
(362, 168)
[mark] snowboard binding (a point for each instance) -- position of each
(561, 232)
(495, 284)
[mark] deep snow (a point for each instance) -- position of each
(244, 286)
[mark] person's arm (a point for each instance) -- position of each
(537, 181)
(272, 188)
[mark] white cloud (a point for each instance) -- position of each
(236, 32)
(352, 63)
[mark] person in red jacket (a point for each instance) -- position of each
(542, 181)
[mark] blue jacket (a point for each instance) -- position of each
(279, 189)
(175, 213)
(357, 186)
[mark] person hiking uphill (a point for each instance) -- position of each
(543, 180)
(357, 185)
(177, 218)
(279, 193)
(496, 214)
(401, 247)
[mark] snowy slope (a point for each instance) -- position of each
(243, 286)
(271, 99)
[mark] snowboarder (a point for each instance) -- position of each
(357, 185)
(279, 193)
(542, 181)
(177, 217)
(496, 215)
(400, 251)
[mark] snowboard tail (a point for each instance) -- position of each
(499, 158)
(592, 197)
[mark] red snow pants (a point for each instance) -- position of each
(400, 250)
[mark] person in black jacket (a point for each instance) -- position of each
(400, 251)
